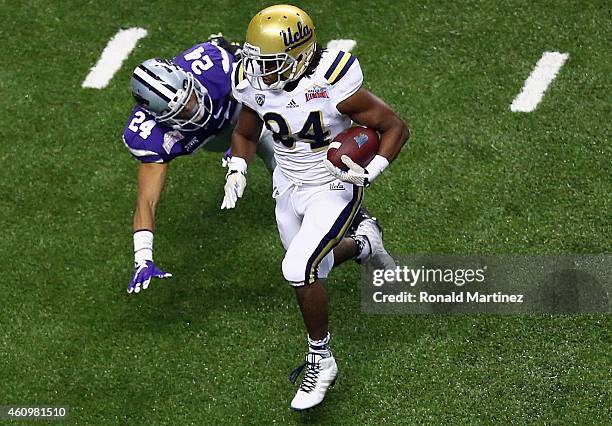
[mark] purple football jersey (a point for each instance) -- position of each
(151, 142)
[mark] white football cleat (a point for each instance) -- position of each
(320, 374)
(378, 258)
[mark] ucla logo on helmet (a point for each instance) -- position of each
(295, 39)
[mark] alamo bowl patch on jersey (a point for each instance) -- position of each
(305, 120)
(317, 93)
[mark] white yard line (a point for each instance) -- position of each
(536, 84)
(113, 55)
(342, 44)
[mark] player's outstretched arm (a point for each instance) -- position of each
(151, 179)
(368, 110)
(244, 143)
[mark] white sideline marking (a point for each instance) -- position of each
(536, 84)
(342, 44)
(113, 55)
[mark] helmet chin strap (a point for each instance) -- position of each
(200, 114)
(309, 56)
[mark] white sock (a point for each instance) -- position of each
(321, 346)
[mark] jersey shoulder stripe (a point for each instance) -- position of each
(339, 67)
(144, 155)
(238, 74)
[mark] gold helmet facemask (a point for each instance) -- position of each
(280, 44)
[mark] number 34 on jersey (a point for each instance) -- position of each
(306, 118)
(313, 131)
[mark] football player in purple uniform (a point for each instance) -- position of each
(182, 104)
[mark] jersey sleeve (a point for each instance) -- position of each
(135, 146)
(344, 75)
(148, 141)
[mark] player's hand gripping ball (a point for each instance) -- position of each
(358, 143)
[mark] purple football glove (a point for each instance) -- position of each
(143, 272)
(226, 156)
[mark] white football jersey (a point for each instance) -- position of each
(305, 120)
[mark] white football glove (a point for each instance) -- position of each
(356, 174)
(235, 182)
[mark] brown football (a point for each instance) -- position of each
(358, 143)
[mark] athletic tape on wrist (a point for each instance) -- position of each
(237, 163)
(376, 167)
(143, 245)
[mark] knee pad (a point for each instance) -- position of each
(294, 271)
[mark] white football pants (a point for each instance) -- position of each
(311, 220)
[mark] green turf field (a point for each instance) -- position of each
(214, 344)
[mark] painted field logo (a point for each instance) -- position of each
(361, 139)
(295, 39)
(316, 93)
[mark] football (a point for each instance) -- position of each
(358, 143)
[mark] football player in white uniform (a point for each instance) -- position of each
(306, 95)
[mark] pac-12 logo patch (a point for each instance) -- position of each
(361, 139)
(260, 99)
